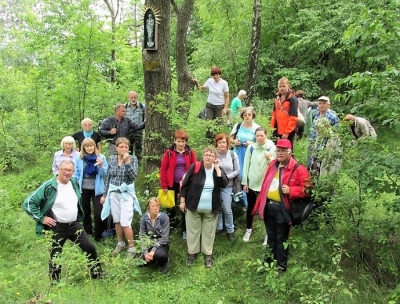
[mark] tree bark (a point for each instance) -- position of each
(113, 13)
(157, 84)
(252, 61)
(185, 78)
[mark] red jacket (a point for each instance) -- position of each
(298, 185)
(168, 164)
(284, 116)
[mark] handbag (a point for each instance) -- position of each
(167, 200)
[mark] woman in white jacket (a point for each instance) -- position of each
(258, 156)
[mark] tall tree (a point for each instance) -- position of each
(252, 62)
(113, 13)
(157, 84)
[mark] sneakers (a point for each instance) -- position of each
(184, 236)
(165, 268)
(247, 235)
(190, 259)
(265, 241)
(208, 261)
(118, 249)
(231, 236)
(131, 254)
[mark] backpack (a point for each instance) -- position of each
(300, 209)
(196, 170)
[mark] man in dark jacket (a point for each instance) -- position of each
(56, 206)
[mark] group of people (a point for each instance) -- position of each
(203, 190)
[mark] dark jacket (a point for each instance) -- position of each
(193, 184)
(158, 233)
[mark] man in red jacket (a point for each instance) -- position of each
(276, 193)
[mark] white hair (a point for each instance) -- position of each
(242, 92)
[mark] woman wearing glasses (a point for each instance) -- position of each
(201, 200)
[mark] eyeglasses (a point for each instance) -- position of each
(208, 155)
(66, 170)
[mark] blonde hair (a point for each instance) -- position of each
(68, 140)
(121, 140)
(213, 150)
(151, 199)
(87, 142)
(284, 80)
(85, 120)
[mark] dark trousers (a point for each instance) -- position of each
(251, 202)
(71, 231)
(172, 212)
(136, 147)
(99, 225)
(290, 137)
(277, 232)
(213, 112)
(161, 255)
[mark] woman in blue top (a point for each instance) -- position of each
(243, 134)
(90, 169)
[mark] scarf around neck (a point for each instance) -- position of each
(90, 168)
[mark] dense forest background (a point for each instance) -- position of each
(65, 60)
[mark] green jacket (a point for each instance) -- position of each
(39, 202)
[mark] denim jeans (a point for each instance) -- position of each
(227, 211)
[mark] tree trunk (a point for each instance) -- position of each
(113, 13)
(252, 61)
(185, 82)
(157, 84)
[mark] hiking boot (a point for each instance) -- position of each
(131, 253)
(184, 235)
(190, 259)
(231, 236)
(118, 249)
(165, 268)
(208, 261)
(265, 243)
(247, 235)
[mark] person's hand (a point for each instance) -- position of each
(246, 189)
(113, 131)
(48, 221)
(224, 111)
(285, 189)
(126, 157)
(268, 155)
(149, 257)
(102, 200)
(99, 162)
(165, 191)
(182, 206)
(247, 143)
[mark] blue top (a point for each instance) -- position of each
(99, 182)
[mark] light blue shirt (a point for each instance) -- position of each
(205, 202)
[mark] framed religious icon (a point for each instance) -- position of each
(150, 30)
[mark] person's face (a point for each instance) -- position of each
(132, 97)
(154, 208)
(222, 145)
(323, 106)
(122, 148)
(282, 155)
(87, 126)
(260, 137)
(248, 116)
(208, 158)
(65, 172)
(67, 146)
(89, 149)
(283, 87)
(121, 112)
(150, 16)
(216, 77)
(180, 144)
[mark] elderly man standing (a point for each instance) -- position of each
(284, 181)
(56, 206)
(323, 110)
(136, 111)
(360, 127)
(117, 126)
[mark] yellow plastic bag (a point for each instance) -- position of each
(167, 200)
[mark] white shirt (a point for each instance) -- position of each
(65, 206)
(216, 91)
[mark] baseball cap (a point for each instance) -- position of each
(284, 143)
